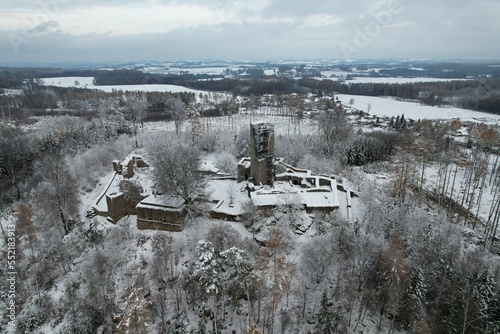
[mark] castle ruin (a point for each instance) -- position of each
(259, 167)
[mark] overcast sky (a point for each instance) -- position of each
(54, 31)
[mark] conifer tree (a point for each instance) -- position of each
(328, 321)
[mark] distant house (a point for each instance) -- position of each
(11, 91)
(424, 95)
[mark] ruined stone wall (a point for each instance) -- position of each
(224, 216)
(119, 206)
(124, 203)
(322, 210)
(117, 167)
(140, 163)
(129, 169)
(259, 171)
(325, 182)
(153, 225)
(243, 172)
(165, 220)
(271, 144)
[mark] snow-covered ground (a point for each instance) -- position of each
(88, 82)
(385, 106)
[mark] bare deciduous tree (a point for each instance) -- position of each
(177, 111)
(227, 163)
(99, 295)
(16, 156)
(334, 128)
(176, 169)
(57, 193)
(135, 111)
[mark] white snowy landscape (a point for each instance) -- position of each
(250, 261)
(249, 167)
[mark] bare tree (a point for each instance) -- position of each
(334, 129)
(57, 194)
(223, 237)
(402, 175)
(392, 274)
(26, 228)
(135, 111)
(176, 169)
(16, 156)
(351, 102)
(177, 111)
(227, 163)
(104, 107)
(99, 295)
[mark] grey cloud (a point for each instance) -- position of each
(424, 29)
(44, 27)
(226, 42)
(62, 4)
(299, 8)
(230, 42)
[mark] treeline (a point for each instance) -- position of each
(443, 70)
(134, 77)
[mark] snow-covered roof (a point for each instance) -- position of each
(286, 193)
(166, 202)
(269, 197)
(208, 166)
(316, 199)
(245, 162)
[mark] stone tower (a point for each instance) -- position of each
(262, 153)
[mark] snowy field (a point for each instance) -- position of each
(88, 82)
(384, 106)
